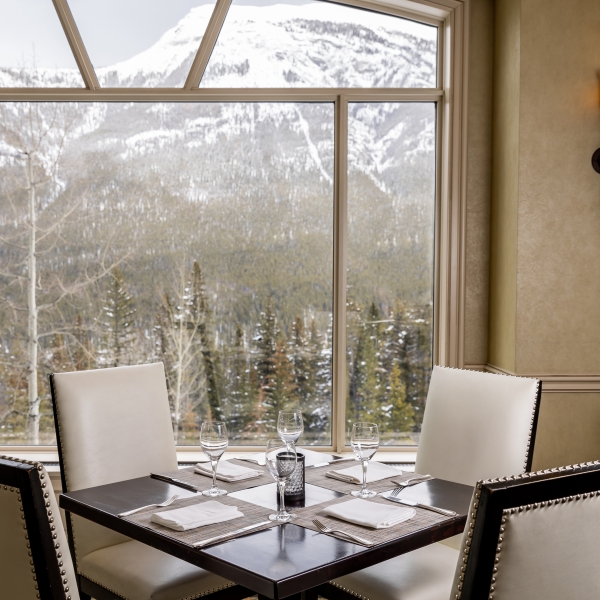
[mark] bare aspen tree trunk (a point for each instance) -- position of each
(33, 417)
(178, 385)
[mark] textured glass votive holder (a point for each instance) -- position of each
(294, 489)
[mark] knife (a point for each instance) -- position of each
(333, 462)
(226, 535)
(441, 511)
(178, 482)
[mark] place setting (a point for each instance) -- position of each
(212, 516)
(232, 474)
(369, 518)
(380, 477)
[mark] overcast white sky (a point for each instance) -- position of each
(112, 30)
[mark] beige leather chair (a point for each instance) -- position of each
(112, 425)
(535, 537)
(34, 554)
(476, 426)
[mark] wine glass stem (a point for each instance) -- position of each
(214, 464)
(281, 485)
(364, 485)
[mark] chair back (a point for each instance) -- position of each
(477, 425)
(34, 555)
(533, 537)
(111, 425)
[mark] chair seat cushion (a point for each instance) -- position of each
(424, 574)
(138, 572)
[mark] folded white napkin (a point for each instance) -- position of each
(370, 514)
(197, 515)
(375, 472)
(227, 471)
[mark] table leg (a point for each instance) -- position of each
(311, 594)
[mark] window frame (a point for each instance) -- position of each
(451, 17)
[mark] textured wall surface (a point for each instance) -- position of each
(558, 276)
(568, 430)
(545, 219)
(479, 180)
(505, 185)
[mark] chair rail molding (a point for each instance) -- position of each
(552, 382)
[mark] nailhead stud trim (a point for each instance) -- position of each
(41, 475)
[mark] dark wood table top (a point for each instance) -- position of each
(276, 562)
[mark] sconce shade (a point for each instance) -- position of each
(596, 161)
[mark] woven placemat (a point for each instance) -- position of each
(318, 477)
(252, 514)
(203, 482)
(422, 520)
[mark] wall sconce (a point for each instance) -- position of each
(596, 155)
(596, 161)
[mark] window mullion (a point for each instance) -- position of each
(207, 44)
(339, 273)
(76, 43)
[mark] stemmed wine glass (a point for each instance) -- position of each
(213, 439)
(290, 425)
(364, 441)
(281, 462)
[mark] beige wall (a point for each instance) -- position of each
(545, 214)
(479, 177)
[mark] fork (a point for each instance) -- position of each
(162, 504)
(407, 482)
(324, 529)
(442, 511)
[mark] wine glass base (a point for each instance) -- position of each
(365, 494)
(282, 518)
(214, 492)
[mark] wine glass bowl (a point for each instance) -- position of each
(290, 425)
(214, 442)
(365, 442)
(280, 459)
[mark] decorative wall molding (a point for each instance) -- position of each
(567, 383)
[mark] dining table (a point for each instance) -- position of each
(282, 561)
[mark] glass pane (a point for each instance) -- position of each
(148, 44)
(320, 44)
(391, 209)
(34, 51)
(199, 235)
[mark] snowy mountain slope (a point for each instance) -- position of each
(317, 44)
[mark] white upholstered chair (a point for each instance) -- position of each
(112, 425)
(34, 554)
(476, 426)
(536, 537)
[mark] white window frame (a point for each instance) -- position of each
(452, 19)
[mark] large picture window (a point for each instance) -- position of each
(267, 231)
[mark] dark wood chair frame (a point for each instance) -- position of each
(44, 551)
(89, 589)
(518, 494)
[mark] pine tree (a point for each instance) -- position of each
(197, 308)
(399, 415)
(241, 394)
(266, 348)
(119, 312)
(284, 387)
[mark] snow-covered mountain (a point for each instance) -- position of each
(311, 45)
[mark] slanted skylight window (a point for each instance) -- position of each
(34, 51)
(319, 44)
(133, 44)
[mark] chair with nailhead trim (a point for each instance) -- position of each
(112, 425)
(34, 555)
(476, 426)
(533, 537)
